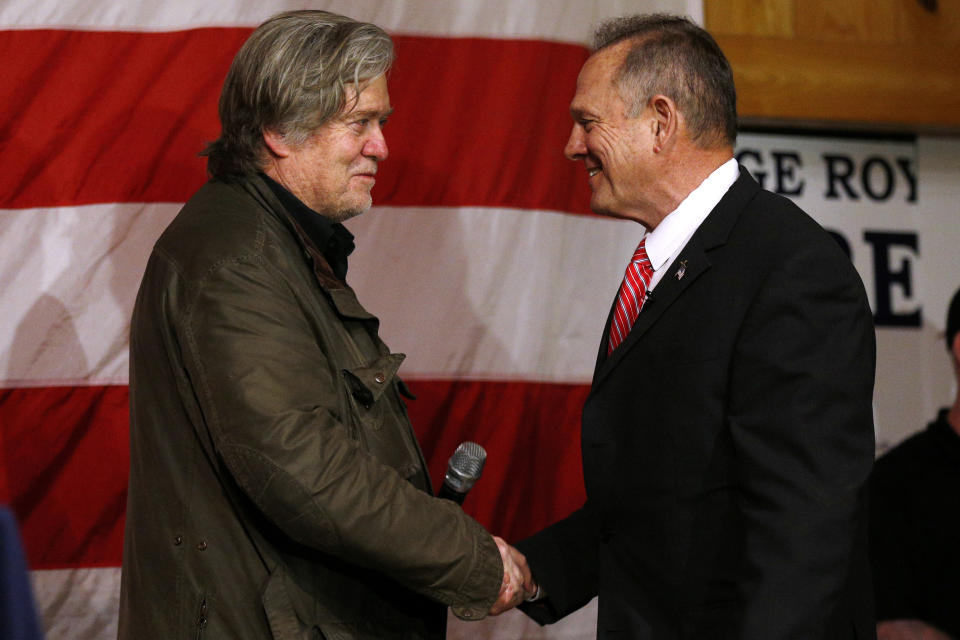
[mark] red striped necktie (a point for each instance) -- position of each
(632, 294)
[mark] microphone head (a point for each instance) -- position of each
(465, 466)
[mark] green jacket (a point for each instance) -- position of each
(276, 485)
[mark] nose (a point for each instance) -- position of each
(376, 145)
(576, 147)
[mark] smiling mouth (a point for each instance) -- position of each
(594, 171)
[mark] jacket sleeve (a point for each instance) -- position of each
(801, 420)
(269, 402)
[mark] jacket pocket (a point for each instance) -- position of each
(366, 386)
(378, 417)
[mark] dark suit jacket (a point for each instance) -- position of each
(726, 445)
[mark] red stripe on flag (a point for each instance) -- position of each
(65, 457)
(531, 431)
(109, 117)
(97, 117)
(483, 123)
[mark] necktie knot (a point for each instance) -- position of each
(632, 295)
(640, 255)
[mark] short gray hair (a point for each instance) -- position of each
(291, 76)
(673, 56)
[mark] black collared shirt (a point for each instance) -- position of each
(333, 239)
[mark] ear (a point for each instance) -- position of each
(666, 120)
(276, 143)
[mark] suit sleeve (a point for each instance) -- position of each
(270, 399)
(563, 560)
(801, 420)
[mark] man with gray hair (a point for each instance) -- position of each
(727, 437)
(276, 486)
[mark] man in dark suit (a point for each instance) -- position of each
(728, 436)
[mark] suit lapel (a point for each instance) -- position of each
(602, 353)
(692, 262)
(676, 280)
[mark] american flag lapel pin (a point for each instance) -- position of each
(682, 271)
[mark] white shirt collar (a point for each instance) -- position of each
(666, 241)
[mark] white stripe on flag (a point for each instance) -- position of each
(70, 275)
(80, 604)
(560, 20)
(492, 294)
(471, 293)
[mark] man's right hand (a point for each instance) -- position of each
(518, 583)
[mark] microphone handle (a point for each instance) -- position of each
(449, 494)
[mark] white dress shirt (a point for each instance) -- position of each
(669, 238)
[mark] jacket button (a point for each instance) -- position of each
(202, 545)
(380, 378)
(178, 540)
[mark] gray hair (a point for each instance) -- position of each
(671, 55)
(291, 76)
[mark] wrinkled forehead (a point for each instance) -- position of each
(609, 59)
(600, 70)
(596, 82)
(373, 98)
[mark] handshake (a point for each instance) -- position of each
(518, 583)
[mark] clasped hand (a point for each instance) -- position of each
(518, 583)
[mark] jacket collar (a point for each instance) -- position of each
(342, 296)
(331, 238)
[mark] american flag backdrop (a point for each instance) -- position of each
(479, 256)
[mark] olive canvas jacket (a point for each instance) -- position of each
(276, 485)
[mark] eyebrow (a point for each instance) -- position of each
(369, 113)
(580, 114)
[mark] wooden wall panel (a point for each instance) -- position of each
(851, 21)
(923, 26)
(770, 18)
(856, 63)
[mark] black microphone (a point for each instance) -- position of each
(463, 469)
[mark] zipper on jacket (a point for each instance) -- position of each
(201, 619)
